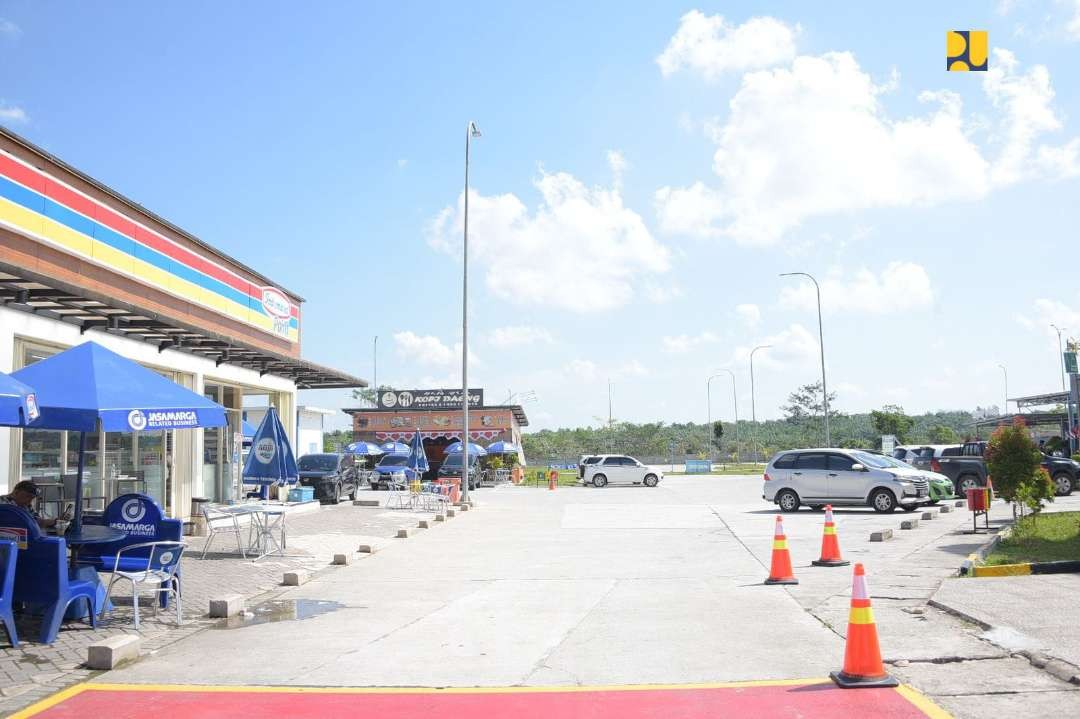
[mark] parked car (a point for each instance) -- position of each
(332, 476)
(451, 467)
(920, 456)
(388, 466)
(843, 477)
(620, 469)
(587, 459)
(968, 470)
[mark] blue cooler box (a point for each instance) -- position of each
(301, 494)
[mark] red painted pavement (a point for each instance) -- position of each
(807, 701)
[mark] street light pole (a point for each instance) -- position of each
(471, 131)
(735, 401)
(1006, 409)
(821, 344)
(610, 422)
(1061, 355)
(708, 395)
(753, 404)
(375, 368)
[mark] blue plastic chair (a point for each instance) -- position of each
(41, 575)
(9, 553)
(134, 514)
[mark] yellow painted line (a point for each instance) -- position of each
(49, 702)
(1003, 570)
(922, 702)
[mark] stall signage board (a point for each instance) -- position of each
(428, 398)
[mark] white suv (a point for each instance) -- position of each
(842, 477)
(619, 469)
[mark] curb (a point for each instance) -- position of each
(1067, 566)
(968, 567)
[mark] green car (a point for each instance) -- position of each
(940, 488)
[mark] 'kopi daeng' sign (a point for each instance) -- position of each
(428, 398)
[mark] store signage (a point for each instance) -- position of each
(428, 399)
(279, 309)
(1070, 362)
(32, 411)
(265, 449)
(139, 420)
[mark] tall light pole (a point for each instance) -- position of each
(471, 131)
(735, 401)
(821, 344)
(1061, 355)
(1006, 408)
(610, 420)
(753, 406)
(708, 409)
(375, 368)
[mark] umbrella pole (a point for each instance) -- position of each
(77, 523)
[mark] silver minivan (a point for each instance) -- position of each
(619, 469)
(817, 477)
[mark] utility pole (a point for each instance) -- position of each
(1061, 355)
(753, 406)
(821, 344)
(471, 131)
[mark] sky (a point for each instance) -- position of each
(645, 173)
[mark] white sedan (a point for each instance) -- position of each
(620, 469)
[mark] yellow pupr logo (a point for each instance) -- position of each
(966, 50)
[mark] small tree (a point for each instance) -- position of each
(943, 434)
(717, 433)
(1013, 461)
(891, 419)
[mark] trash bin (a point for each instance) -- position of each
(197, 504)
(978, 499)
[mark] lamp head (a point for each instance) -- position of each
(473, 129)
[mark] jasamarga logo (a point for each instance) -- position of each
(136, 529)
(136, 420)
(176, 418)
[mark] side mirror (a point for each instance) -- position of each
(858, 467)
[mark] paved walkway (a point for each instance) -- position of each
(34, 671)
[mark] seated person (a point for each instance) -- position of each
(23, 495)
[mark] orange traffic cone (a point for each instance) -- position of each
(780, 572)
(830, 544)
(862, 655)
(553, 479)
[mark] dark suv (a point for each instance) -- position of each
(451, 467)
(331, 475)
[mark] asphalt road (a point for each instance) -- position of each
(619, 586)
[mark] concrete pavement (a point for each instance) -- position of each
(620, 586)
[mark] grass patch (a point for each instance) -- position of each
(567, 478)
(1043, 538)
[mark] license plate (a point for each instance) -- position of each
(922, 492)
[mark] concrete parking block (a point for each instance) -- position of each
(112, 652)
(366, 503)
(909, 524)
(944, 509)
(883, 535)
(227, 606)
(958, 503)
(450, 513)
(929, 515)
(367, 549)
(424, 524)
(341, 559)
(440, 517)
(296, 578)
(403, 533)
(464, 507)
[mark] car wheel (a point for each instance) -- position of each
(882, 500)
(1063, 484)
(788, 501)
(337, 493)
(599, 480)
(355, 489)
(966, 482)
(651, 480)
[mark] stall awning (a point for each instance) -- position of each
(22, 289)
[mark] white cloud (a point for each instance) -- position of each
(589, 371)
(900, 287)
(579, 232)
(792, 349)
(814, 139)
(749, 314)
(402, 163)
(681, 344)
(660, 294)
(519, 336)
(428, 350)
(1072, 27)
(712, 46)
(8, 28)
(1045, 312)
(582, 369)
(13, 114)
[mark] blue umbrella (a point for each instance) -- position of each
(89, 388)
(502, 448)
(394, 448)
(417, 457)
(18, 403)
(271, 458)
(473, 449)
(364, 449)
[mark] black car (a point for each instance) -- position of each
(332, 475)
(451, 467)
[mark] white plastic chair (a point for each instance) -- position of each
(221, 522)
(157, 568)
(401, 496)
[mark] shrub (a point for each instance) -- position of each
(1013, 460)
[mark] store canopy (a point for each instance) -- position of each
(473, 449)
(394, 448)
(417, 456)
(502, 448)
(271, 459)
(18, 403)
(89, 387)
(248, 429)
(363, 449)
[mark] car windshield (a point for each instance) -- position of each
(394, 460)
(317, 463)
(877, 461)
(453, 461)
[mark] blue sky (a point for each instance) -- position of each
(646, 171)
